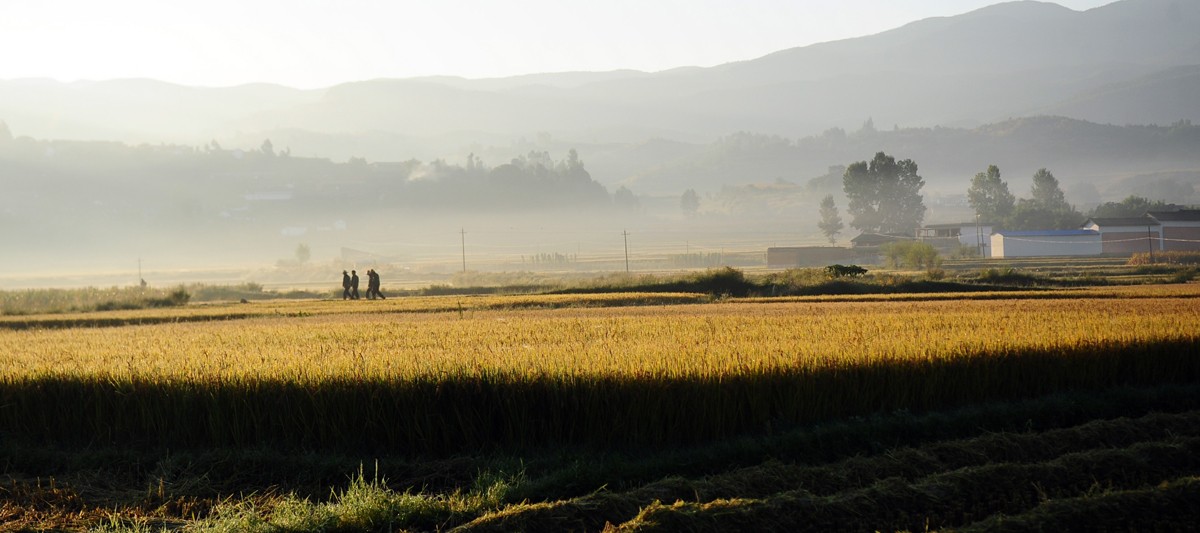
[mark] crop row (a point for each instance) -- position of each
(942, 484)
(306, 308)
(718, 341)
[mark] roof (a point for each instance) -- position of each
(1185, 215)
(953, 225)
(878, 238)
(1123, 221)
(1050, 233)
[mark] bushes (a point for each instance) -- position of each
(839, 271)
(912, 254)
(176, 298)
(1009, 276)
(1170, 258)
(36, 301)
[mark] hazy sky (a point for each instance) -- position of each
(317, 43)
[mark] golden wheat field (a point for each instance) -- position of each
(439, 374)
(764, 413)
(573, 335)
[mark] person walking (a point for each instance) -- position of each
(378, 294)
(373, 285)
(345, 285)
(353, 284)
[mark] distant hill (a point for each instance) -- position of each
(1105, 157)
(1130, 62)
(1159, 98)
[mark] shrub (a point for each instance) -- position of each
(1185, 275)
(724, 280)
(965, 252)
(1008, 276)
(912, 254)
(1170, 258)
(847, 271)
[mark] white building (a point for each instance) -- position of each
(1046, 243)
(967, 233)
(1127, 235)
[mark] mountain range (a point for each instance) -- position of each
(1128, 62)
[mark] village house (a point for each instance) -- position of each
(1180, 229)
(872, 241)
(948, 237)
(1046, 243)
(1125, 236)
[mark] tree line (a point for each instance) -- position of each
(884, 197)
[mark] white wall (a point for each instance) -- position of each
(1045, 245)
(967, 235)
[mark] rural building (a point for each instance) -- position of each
(1180, 229)
(872, 241)
(810, 256)
(952, 236)
(1125, 236)
(1046, 243)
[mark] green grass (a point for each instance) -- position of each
(1127, 455)
(90, 299)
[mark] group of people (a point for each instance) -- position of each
(350, 285)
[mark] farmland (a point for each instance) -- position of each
(648, 411)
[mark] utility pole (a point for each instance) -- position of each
(978, 236)
(1150, 243)
(463, 232)
(625, 234)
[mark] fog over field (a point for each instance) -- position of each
(566, 170)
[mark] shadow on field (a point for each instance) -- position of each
(501, 412)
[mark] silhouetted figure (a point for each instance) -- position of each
(345, 285)
(353, 284)
(373, 285)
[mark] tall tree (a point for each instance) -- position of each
(1131, 206)
(831, 223)
(885, 195)
(989, 196)
(624, 199)
(303, 253)
(1046, 192)
(1047, 209)
(689, 202)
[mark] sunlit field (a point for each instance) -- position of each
(440, 374)
(431, 338)
(552, 412)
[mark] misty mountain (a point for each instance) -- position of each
(1107, 158)
(1133, 61)
(1159, 98)
(136, 110)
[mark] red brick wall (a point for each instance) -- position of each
(1187, 234)
(1135, 242)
